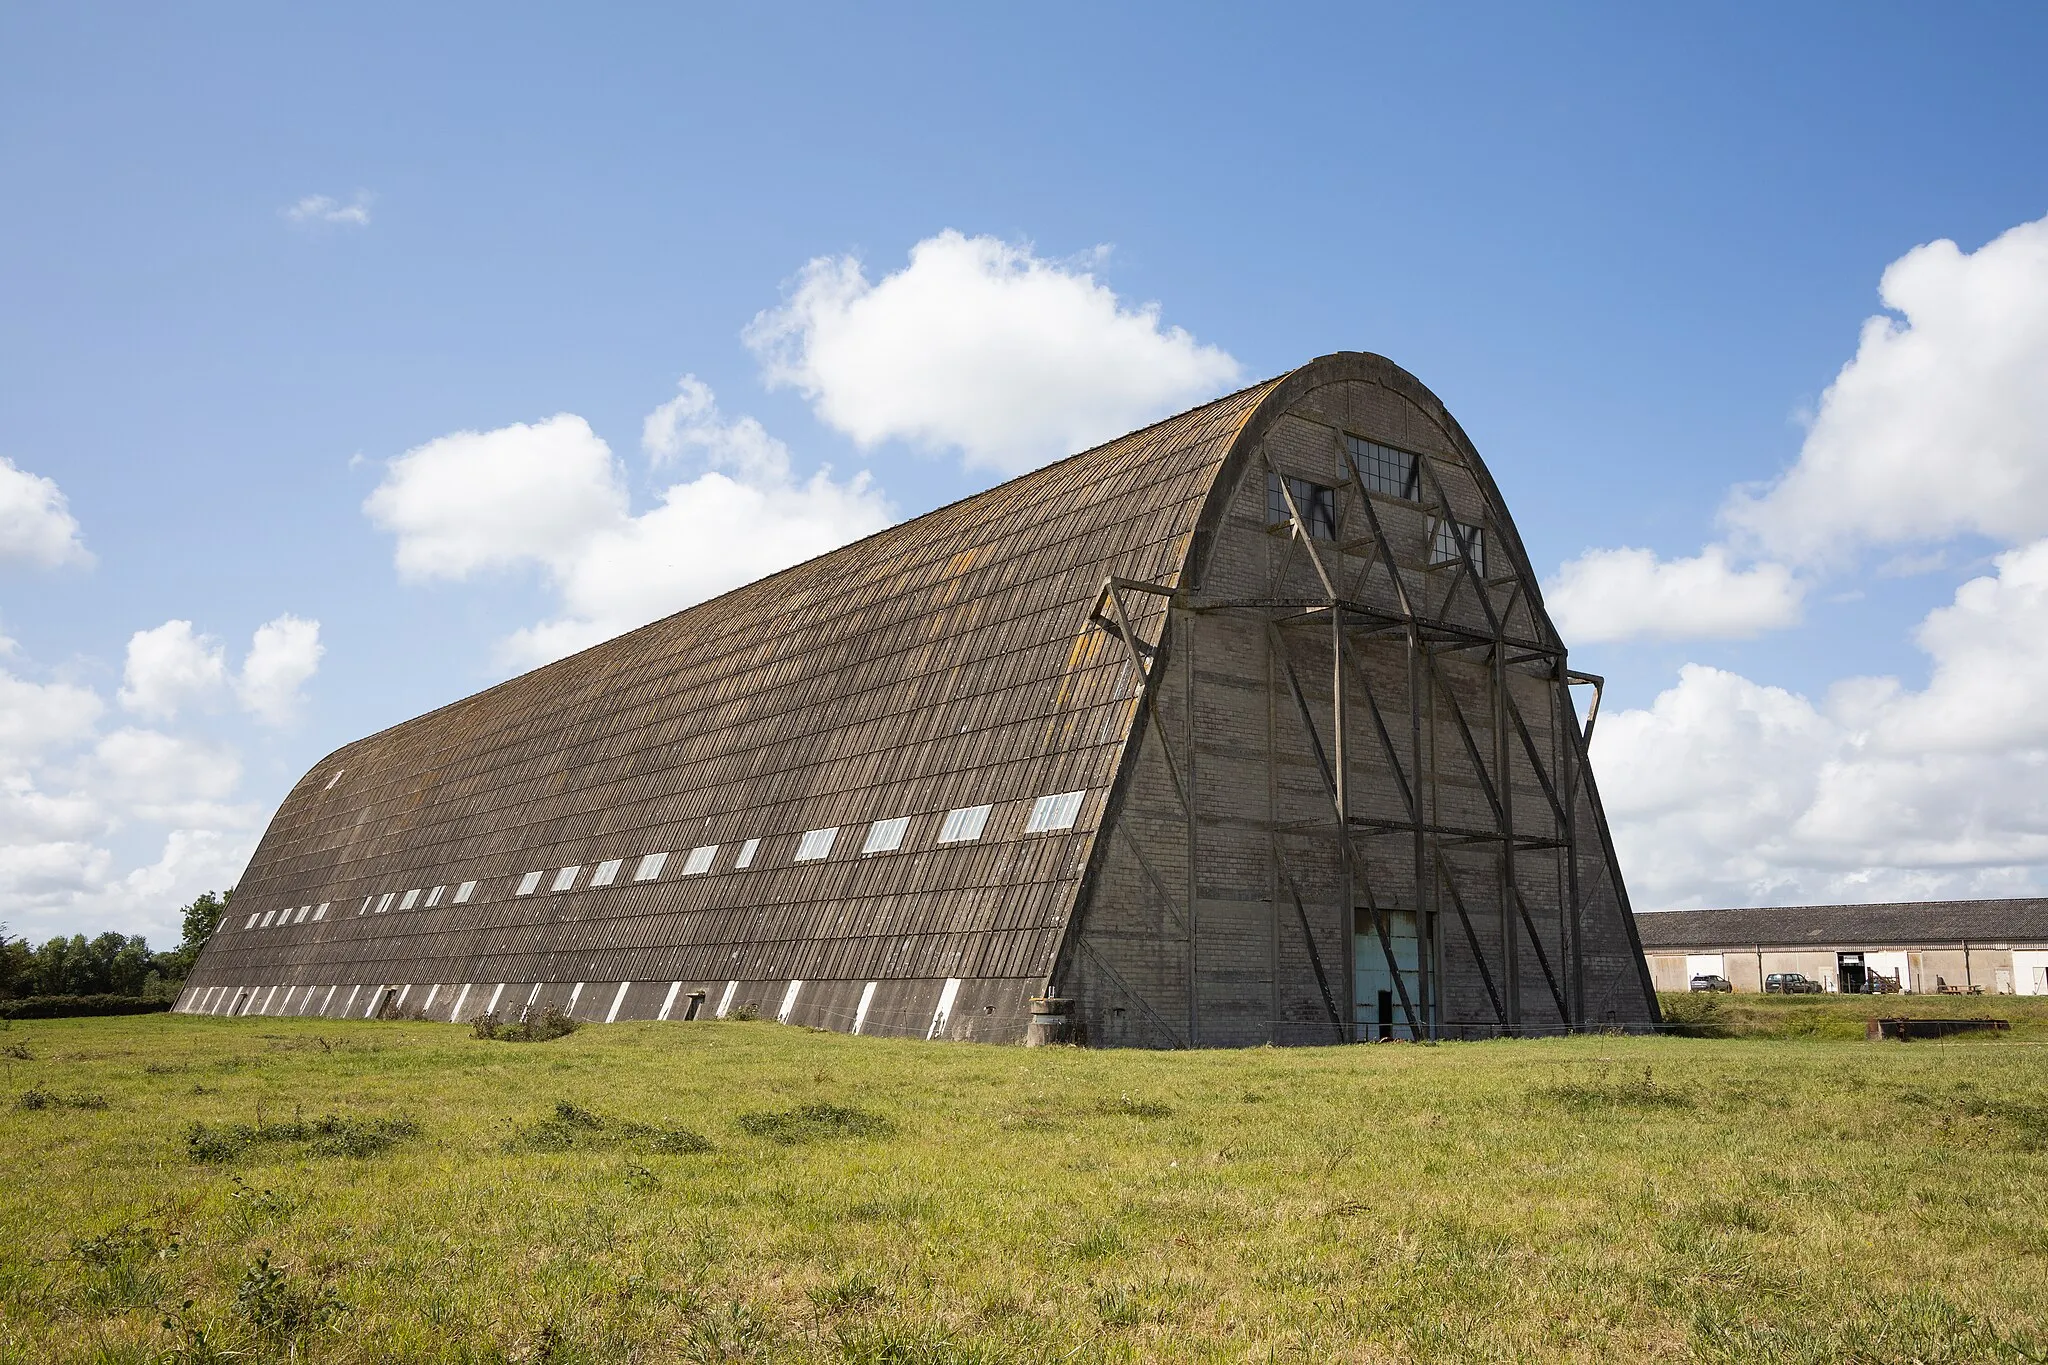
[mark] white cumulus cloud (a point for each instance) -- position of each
(321, 208)
(1725, 790)
(36, 716)
(982, 346)
(170, 667)
(474, 501)
(1625, 594)
(551, 495)
(173, 666)
(36, 525)
(1939, 424)
(283, 656)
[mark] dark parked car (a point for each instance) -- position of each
(1707, 981)
(1790, 983)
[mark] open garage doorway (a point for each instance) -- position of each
(1377, 991)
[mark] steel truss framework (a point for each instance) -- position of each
(1511, 856)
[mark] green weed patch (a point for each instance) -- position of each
(813, 1123)
(331, 1135)
(50, 1099)
(571, 1129)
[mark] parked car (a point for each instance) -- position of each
(1790, 983)
(1707, 981)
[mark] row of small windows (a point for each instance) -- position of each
(1318, 506)
(1048, 814)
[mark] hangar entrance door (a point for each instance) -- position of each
(1849, 972)
(1376, 1003)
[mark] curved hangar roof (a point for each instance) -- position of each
(839, 774)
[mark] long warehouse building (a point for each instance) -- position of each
(1246, 727)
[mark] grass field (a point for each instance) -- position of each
(741, 1191)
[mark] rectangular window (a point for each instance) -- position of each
(699, 860)
(1318, 505)
(320, 910)
(367, 902)
(1049, 813)
(566, 878)
(412, 898)
(304, 911)
(886, 836)
(384, 901)
(1383, 469)
(650, 867)
(747, 852)
(434, 896)
(529, 884)
(268, 915)
(964, 825)
(816, 844)
(1443, 543)
(252, 921)
(606, 872)
(463, 893)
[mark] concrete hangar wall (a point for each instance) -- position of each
(1997, 946)
(1247, 727)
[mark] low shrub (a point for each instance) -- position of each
(572, 1128)
(333, 1135)
(49, 1099)
(544, 1027)
(810, 1122)
(272, 1301)
(80, 1006)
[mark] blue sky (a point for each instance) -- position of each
(1631, 249)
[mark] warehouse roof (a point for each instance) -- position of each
(1899, 923)
(939, 666)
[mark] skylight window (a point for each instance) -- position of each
(747, 852)
(412, 898)
(816, 844)
(320, 910)
(384, 901)
(304, 911)
(463, 893)
(566, 878)
(252, 921)
(650, 867)
(886, 836)
(1443, 543)
(367, 902)
(606, 872)
(964, 825)
(1383, 469)
(529, 884)
(1318, 505)
(334, 779)
(700, 860)
(434, 896)
(1049, 813)
(268, 916)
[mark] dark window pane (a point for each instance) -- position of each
(1318, 505)
(1383, 469)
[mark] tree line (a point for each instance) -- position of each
(111, 964)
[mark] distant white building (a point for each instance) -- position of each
(1999, 947)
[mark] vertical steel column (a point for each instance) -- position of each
(1569, 780)
(1273, 835)
(1341, 766)
(1187, 623)
(1510, 936)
